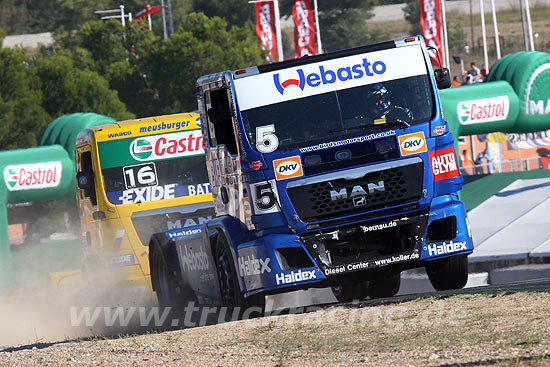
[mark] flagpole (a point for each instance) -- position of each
(319, 46)
(165, 32)
(445, 40)
(278, 30)
(483, 32)
(148, 7)
(495, 26)
(529, 25)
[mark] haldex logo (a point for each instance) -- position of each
(295, 276)
(483, 110)
(327, 76)
(141, 149)
(357, 190)
(445, 248)
(253, 266)
(537, 101)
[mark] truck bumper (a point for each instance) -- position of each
(277, 262)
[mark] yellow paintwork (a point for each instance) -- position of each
(103, 233)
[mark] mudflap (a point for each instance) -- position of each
(196, 267)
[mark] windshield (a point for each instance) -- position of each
(128, 180)
(344, 113)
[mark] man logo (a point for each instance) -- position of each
(288, 168)
(412, 143)
(141, 149)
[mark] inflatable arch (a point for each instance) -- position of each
(42, 173)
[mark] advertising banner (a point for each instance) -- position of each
(304, 31)
(430, 21)
(528, 140)
(265, 28)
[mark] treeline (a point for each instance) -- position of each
(99, 66)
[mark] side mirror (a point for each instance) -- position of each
(442, 78)
(85, 180)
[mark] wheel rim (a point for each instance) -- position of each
(226, 277)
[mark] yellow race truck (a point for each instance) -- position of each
(136, 178)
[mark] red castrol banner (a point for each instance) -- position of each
(430, 21)
(304, 31)
(265, 28)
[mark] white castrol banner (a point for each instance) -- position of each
(528, 140)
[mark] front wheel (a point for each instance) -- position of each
(252, 306)
(345, 293)
(384, 286)
(448, 273)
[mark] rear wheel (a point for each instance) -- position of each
(253, 306)
(164, 280)
(384, 285)
(448, 273)
(352, 291)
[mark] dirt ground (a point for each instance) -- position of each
(466, 330)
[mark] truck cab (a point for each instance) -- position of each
(335, 170)
(136, 178)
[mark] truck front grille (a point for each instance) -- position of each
(375, 190)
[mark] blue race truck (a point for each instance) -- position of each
(336, 170)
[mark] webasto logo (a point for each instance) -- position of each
(537, 95)
(483, 110)
(327, 76)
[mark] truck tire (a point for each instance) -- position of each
(448, 273)
(385, 285)
(164, 279)
(345, 293)
(229, 284)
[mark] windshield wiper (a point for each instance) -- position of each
(363, 126)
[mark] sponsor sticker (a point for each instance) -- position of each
(412, 143)
(288, 168)
(122, 260)
(183, 232)
(154, 193)
(165, 146)
(295, 276)
(439, 130)
(251, 265)
(32, 176)
(445, 248)
(444, 164)
(483, 110)
(347, 268)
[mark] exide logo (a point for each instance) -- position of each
(327, 76)
(288, 167)
(412, 143)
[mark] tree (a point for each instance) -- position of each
(67, 89)
(21, 116)
(201, 46)
(343, 23)
(412, 15)
(236, 12)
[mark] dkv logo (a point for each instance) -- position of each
(288, 168)
(412, 143)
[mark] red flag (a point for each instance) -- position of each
(304, 33)
(430, 20)
(265, 28)
(147, 10)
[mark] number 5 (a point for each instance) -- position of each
(266, 140)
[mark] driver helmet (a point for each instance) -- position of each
(378, 100)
